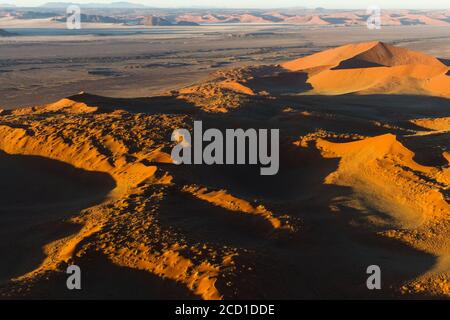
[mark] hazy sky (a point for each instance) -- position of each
(343, 4)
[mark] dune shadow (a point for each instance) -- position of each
(389, 108)
(281, 82)
(148, 105)
(38, 194)
(102, 279)
(428, 149)
(204, 222)
(445, 61)
(356, 64)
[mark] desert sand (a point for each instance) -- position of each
(371, 68)
(364, 179)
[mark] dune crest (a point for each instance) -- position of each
(384, 177)
(362, 68)
(374, 54)
(223, 199)
(381, 169)
(104, 141)
(373, 67)
(436, 124)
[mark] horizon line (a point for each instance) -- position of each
(105, 6)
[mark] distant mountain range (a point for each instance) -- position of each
(320, 18)
(137, 14)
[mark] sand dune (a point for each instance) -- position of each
(307, 20)
(364, 179)
(317, 18)
(363, 68)
(437, 124)
(373, 67)
(104, 18)
(380, 170)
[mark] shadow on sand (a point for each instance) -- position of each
(38, 194)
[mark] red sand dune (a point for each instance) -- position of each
(310, 20)
(347, 18)
(373, 67)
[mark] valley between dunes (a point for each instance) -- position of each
(364, 179)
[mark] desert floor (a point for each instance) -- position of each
(42, 69)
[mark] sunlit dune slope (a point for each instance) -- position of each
(361, 68)
(373, 67)
(384, 178)
(125, 228)
(382, 171)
